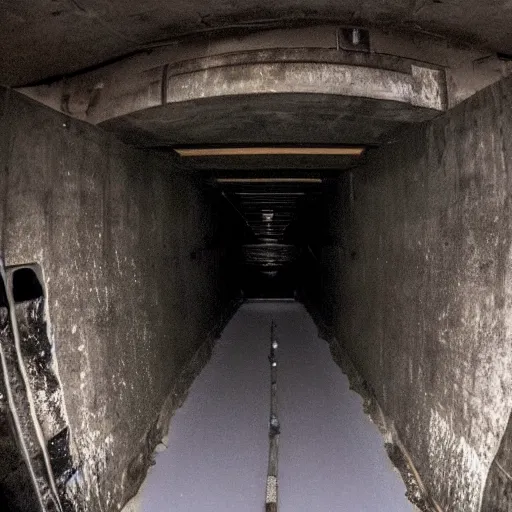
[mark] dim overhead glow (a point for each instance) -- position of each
(332, 151)
(269, 180)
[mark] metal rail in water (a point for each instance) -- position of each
(274, 428)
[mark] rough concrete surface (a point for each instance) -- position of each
(96, 98)
(93, 31)
(331, 456)
(417, 283)
(293, 95)
(125, 242)
(124, 85)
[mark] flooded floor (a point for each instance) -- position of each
(331, 457)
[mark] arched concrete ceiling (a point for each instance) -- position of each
(288, 118)
(296, 96)
(264, 83)
(42, 38)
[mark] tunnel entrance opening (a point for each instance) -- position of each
(279, 224)
(223, 440)
(404, 261)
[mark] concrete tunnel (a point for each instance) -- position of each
(183, 183)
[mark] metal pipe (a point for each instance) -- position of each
(33, 415)
(12, 406)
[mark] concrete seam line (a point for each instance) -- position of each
(503, 470)
(5, 149)
(165, 83)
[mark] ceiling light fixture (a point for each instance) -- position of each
(268, 215)
(269, 194)
(269, 180)
(254, 151)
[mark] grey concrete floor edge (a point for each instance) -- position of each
(332, 458)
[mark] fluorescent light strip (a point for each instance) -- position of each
(269, 193)
(198, 152)
(269, 180)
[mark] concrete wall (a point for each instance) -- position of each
(418, 283)
(135, 281)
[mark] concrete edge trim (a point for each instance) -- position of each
(101, 98)
(422, 88)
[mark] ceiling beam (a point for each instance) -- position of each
(251, 151)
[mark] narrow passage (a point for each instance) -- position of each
(331, 457)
